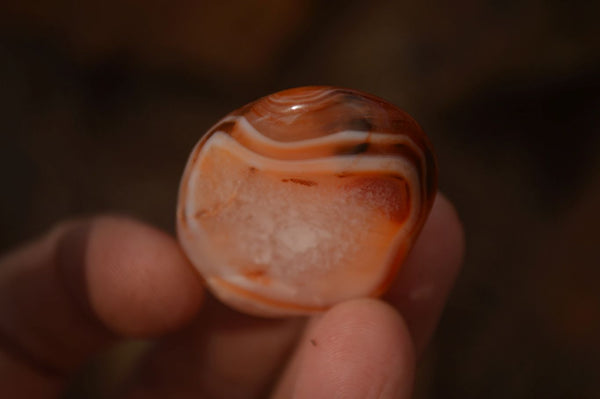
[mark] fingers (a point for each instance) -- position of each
(67, 295)
(422, 286)
(224, 354)
(358, 349)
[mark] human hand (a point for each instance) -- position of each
(90, 283)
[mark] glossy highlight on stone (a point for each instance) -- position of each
(305, 198)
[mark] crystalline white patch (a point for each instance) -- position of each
(289, 229)
(300, 237)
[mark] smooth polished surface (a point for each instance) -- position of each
(305, 198)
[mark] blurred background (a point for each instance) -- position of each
(101, 102)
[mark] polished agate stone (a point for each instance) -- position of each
(305, 198)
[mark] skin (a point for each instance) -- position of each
(90, 283)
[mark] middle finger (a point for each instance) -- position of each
(222, 354)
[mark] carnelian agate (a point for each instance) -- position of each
(305, 198)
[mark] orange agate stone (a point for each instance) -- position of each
(305, 198)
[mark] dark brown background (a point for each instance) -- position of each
(100, 104)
